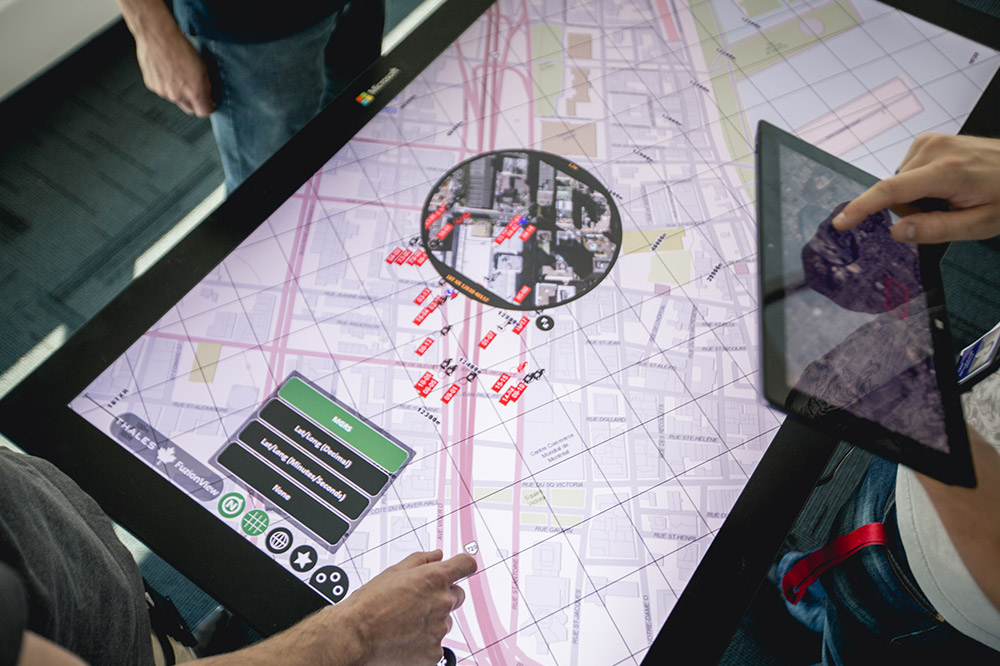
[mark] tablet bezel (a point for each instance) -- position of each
(954, 466)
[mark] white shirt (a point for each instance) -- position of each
(936, 565)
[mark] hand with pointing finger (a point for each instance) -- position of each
(962, 170)
(398, 618)
(403, 614)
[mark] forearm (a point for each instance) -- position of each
(326, 638)
(972, 516)
(399, 617)
(38, 651)
(171, 66)
(145, 18)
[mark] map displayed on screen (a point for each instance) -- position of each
(516, 315)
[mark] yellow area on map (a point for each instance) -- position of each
(764, 49)
(580, 83)
(532, 518)
(206, 360)
(642, 241)
(546, 66)
(572, 498)
(671, 267)
(505, 496)
(755, 8)
(568, 497)
(532, 496)
(562, 138)
(670, 263)
(566, 522)
(780, 41)
(580, 47)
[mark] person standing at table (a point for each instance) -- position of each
(259, 70)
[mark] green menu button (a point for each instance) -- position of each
(344, 425)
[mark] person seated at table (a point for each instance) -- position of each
(71, 593)
(932, 594)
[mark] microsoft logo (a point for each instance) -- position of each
(368, 96)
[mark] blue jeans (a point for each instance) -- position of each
(870, 608)
(266, 92)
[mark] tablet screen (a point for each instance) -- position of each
(857, 329)
(854, 324)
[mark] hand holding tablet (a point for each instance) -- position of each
(963, 170)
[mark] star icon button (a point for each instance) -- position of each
(303, 558)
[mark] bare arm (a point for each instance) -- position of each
(963, 170)
(38, 651)
(171, 67)
(400, 617)
(970, 516)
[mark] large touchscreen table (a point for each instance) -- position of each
(516, 314)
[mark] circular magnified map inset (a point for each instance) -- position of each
(521, 229)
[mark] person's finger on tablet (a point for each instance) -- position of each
(962, 170)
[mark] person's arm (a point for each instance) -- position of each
(399, 617)
(970, 516)
(38, 651)
(171, 67)
(963, 170)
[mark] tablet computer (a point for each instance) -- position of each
(854, 330)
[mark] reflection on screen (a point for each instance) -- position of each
(856, 321)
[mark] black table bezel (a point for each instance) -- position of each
(35, 414)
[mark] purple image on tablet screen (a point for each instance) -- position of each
(857, 327)
(864, 269)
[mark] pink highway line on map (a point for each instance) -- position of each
(362, 202)
(486, 64)
(457, 542)
(289, 281)
(468, 98)
(419, 365)
(478, 585)
(397, 144)
(291, 287)
(668, 21)
(422, 365)
(518, 476)
(502, 65)
(494, 84)
(492, 630)
(530, 82)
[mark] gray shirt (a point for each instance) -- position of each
(83, 588)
